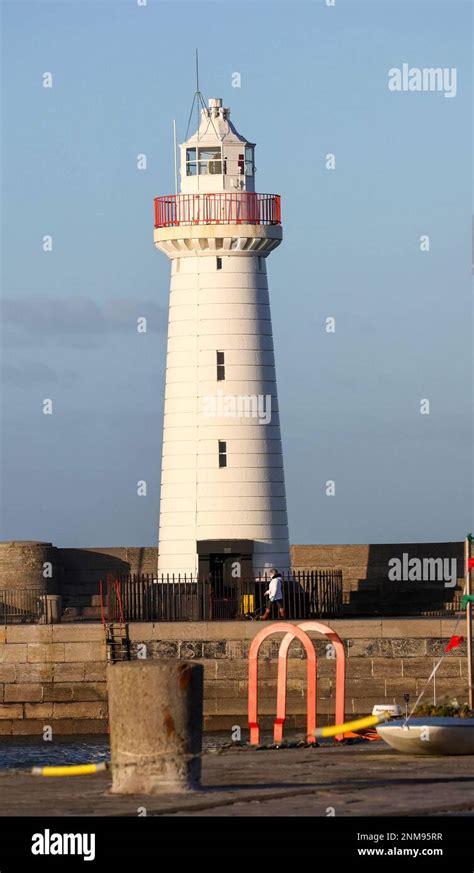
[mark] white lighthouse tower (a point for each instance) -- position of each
(222, 487)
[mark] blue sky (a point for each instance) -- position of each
(313, 81)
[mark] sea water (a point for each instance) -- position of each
(26, 752)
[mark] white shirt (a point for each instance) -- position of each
(274, 590)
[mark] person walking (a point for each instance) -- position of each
(274, 605)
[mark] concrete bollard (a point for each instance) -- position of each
(155, 717)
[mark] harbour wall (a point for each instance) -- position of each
(76, 573)
(55, 675)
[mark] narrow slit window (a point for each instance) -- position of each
(220, 362)
(222, 453)
(219, 263)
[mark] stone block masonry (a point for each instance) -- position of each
(367, 589)
(55, 675)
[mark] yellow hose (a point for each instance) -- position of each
(358, 725)
(329, 731)
(74, 770)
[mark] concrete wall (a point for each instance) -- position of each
(364, 569)
(56, 675)
(367, 590)
(82, 569)
(52, 675)
(368, 563)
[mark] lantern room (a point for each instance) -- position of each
(217, 158)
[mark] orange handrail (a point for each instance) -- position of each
(293, 631)
(280, 627)
(336, 641)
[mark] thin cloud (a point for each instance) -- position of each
(36, 373)
(77, 320)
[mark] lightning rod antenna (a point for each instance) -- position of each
(197, 89)
(175, 150)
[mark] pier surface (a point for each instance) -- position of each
(368, 779)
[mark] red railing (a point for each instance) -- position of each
(246, 207)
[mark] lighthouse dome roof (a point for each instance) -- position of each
(215, 126)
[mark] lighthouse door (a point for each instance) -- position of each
(225, 586)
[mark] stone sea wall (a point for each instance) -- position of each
(55, 675)
(76, 573)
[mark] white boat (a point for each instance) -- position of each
(392, 709)
(430, 735)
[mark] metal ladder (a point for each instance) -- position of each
(117, 641)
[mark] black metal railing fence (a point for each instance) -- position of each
(180, 597)
(27, 606)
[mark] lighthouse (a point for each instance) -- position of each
(222, 500)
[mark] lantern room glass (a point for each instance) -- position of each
(249, 165)
(210, 161)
